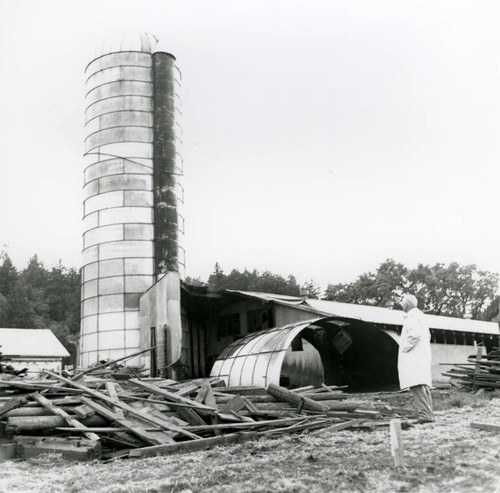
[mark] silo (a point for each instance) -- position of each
(121, 180)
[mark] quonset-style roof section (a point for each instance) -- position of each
(31, 343)
(372, 314)
(256, 359)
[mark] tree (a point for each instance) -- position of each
(452, 290)
(313, 290)
(36, 297)
(217, 278)
(195, 281)
(382, 288)
(8, 274)
(266, 281)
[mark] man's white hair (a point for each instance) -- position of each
(409, 300)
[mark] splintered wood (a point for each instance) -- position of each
(94, 416)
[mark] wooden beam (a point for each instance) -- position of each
(63, 414)
(487, 426)
(286, 395)
(339, 426)
(191, 446)
(396, 442)
(133, 428)
(111, 362)
(14, 403)
(103, 397)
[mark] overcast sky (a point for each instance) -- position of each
(320, 137)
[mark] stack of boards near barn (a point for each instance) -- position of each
(87, 416)
(481, 372)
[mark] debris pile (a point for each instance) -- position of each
(480, 372)
(88, 416)
(7, 369)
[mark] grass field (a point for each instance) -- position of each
(443, 457)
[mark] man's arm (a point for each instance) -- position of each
(413, 333)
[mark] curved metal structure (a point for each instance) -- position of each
(121, 186)
(352, 353)
(257, 358)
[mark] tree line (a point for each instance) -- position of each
(442, 289)
(40, 298)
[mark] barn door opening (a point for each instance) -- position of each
(153, 366)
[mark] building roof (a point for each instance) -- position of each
(370, 314)
(31, 342)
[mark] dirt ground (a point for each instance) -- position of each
(447, 456)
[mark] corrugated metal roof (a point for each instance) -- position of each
(31, 342)
(372, 314)
(256, 359)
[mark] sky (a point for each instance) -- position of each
(320, 137)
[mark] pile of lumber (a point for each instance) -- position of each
(7, 369)
(87, 416)
(480, 371)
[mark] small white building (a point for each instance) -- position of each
(35, 349)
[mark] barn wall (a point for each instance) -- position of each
(286, 315)
(447, 353)
(236, 320)
(35, 365)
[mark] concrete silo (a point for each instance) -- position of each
(131, 192)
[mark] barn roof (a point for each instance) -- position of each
(31, 342)
(371, 314)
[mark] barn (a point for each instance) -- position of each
(251, 338)
(34, 349)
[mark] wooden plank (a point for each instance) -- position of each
(477, 367)
(307, 388)
(14, 403)
(133, 428)
(323, 396)
(83, 411)
(234, 404)
(339, 426)
(189, 414)
(111, 362)
(188, 390)
(396, 442)
(193, 445)
(80, 449)
(103, 397)
(301, 426)
(243, 390)
(250, 425)
(158, 433)
(28, 411)
(170, 396)
(63, 414)
(202, 392)
(33, 423)
(486, 426)
(97, 429)
(111, 390)
(295, 399)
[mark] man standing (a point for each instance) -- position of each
(414, 359)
